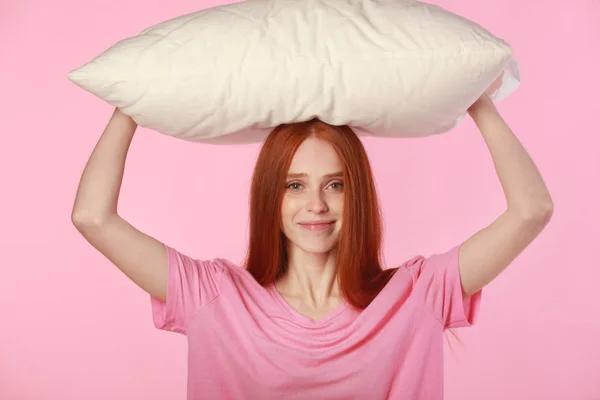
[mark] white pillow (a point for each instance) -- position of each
(229, 74)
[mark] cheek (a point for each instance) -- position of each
(337, 202)
(289, 208)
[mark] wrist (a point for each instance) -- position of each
(123, 118)
(482, 104)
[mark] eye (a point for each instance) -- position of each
(337, 185)
(294, 186)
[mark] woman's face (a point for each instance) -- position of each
(314, 198)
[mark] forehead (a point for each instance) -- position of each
(315, 156)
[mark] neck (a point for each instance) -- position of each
(310, 277)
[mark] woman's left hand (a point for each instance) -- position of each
(495, 86)
(486, 96)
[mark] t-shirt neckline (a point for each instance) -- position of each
(303, 319)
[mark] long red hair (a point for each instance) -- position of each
(360, 274)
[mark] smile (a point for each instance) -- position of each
(317, 226)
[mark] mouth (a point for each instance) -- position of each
(317, 225)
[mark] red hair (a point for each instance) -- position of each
(359, 274)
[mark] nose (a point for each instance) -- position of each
(316, 202)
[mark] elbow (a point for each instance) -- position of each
(544, 210)
(539, 213)
(83, 218)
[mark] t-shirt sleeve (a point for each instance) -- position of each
(192, 284)
(437, 279)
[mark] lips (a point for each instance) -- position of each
(316, 225)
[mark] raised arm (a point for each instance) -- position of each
(139, 256)
(529, 206)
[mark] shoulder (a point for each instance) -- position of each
(232, 270)
(419, 264)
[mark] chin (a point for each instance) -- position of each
(316, 248)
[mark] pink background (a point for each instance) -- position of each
(74, 327)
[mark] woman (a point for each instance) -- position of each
(313, 315)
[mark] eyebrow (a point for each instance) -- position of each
(327, 176)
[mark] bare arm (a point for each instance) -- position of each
(142, 258)
(529, 205)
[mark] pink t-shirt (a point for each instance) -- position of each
(246, 342)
